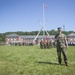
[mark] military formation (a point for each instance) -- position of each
(46, 44)
(21, 44)
(2, 43)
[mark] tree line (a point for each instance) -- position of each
(51, 32)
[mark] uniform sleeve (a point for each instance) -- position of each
(66, 43)
(56, 40)
(55, 37)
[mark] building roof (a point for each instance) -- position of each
(12, 36)
(33, 36)
(27, 36)
(72, 34)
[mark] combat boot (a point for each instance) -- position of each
(60, 63)
(66, 64)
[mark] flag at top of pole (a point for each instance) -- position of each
(45, 5)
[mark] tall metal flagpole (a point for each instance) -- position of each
(43, 25)
(43, 19)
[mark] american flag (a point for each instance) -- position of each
(45, 5)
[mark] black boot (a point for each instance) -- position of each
(60, 63)
(66, 64)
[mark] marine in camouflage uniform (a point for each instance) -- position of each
(50, 44)
(41, 44)
(61, 44)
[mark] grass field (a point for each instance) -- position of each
(31, 60)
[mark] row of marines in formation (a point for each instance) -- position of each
(46, 44)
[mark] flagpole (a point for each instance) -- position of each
(43, 19)
(43, 24)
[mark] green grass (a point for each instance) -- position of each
(31, 60)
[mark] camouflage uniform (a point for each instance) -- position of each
(41, 44)
(61, 43)
(51, 44)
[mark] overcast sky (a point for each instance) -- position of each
(25, 15)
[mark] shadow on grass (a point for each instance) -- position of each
(51, 63)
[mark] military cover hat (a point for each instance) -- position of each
(59, 28)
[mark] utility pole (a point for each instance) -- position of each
(63, 27)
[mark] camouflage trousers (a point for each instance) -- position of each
(59, 51)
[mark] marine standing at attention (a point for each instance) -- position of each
(61, 44)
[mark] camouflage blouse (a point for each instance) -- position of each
(60, 40)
